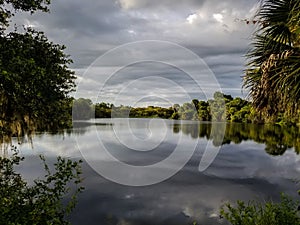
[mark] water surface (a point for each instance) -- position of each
(254, 162)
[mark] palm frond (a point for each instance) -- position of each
(273, 68)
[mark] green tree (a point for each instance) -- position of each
(9, 7)
(238, 110)
(203, 111)
(175, 115)
(272, 75)
(104, 110)
(34, 77)
(82, 109)
(187, 111)
(176, 107)
(217, 106)
(34, 85)
(195, 103)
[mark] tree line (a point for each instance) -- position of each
(35, 83)
(221, 108)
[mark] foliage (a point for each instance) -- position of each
(203, 111)
(151, 112)
(221, 108)
(40, 203)
(106, 110)
(9, 7)
(34, 77)
(187, 111)
(272, 75)
(270, 213)
(82, 109)
(217, 106)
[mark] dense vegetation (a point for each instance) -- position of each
(35, 82)
(221, 108)
(34, 76)
(270, 213)
(34, 85)
(40, 203)
(272, 74)
(273, 78)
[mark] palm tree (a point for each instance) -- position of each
(273, 70)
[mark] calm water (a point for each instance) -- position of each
(252, 162)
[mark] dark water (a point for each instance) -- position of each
(247, 162)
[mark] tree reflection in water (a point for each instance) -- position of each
(277, 139)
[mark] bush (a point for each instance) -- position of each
(40, 203)
(283, 213)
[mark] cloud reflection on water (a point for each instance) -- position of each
(240, 171)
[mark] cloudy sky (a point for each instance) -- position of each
(164, 70)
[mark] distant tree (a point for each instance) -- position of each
(176, 107)
(217, 107)
(195, 103)
(82, 109)
(236, 110)
(187, 111)
(122, 111)
(218, 95)
(203, 111)
(175, 116)
(104, 110)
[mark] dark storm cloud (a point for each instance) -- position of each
(212, 29)
(146, 4)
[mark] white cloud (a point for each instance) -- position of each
(132, 32)
(31, 24)
(127, 4)
(191, 18)
(218, 17)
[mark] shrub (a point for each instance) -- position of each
(283, 213)
(40, 203)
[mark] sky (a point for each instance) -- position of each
(148, 52)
